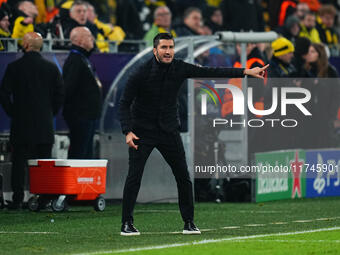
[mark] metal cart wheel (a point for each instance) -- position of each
(44, 202)
(59, 204)
(99, 204)
(33, 204)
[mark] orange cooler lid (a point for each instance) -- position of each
(70, 162)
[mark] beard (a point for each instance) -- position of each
(160, 59)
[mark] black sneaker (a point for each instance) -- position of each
(190, 229)
(129, 230)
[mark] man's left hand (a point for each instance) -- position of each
(257, 72)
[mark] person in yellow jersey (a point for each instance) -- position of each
(325, 25)
(105, 31)
(4, 29)
(24, 23)
(308, 28)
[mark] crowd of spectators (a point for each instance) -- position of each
(140, 19)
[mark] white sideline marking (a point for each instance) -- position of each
(279, 223)
(231, 227)
(254, 225)
(291, 241)
(245, 211)
(237, 238)
(302, 221)
(327, 219)
(16, 232)
(175, 232)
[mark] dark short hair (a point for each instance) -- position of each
(78, 2)
(327, 9)
(162, 36)
(190, 10)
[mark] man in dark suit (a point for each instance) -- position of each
(83, 100)
(31, 94)
(152, 122)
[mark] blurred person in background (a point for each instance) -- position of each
(214, 19)
(280, 65)
(77, 17)
(98, 35)
(109, 31)
(4, 29)
(52, 10)
(83, 100)
(301, 50)
(31, 94)
(301, 10)
(319, 128)
(325, 25)
(26, 12)
(308, 29)
(291, 29)
(192, 22)
(265, 50)
(178, 8)
(102, 31)
(162, 24)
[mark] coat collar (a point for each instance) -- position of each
(81, 50)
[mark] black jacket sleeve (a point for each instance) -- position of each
(126, 100)
(6, 91)
(195, 71)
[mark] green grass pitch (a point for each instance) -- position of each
(304, 226)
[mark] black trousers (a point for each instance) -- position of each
(21, 153)
(81, 138)
(171, 147)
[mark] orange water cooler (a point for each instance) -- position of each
(62, 181)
